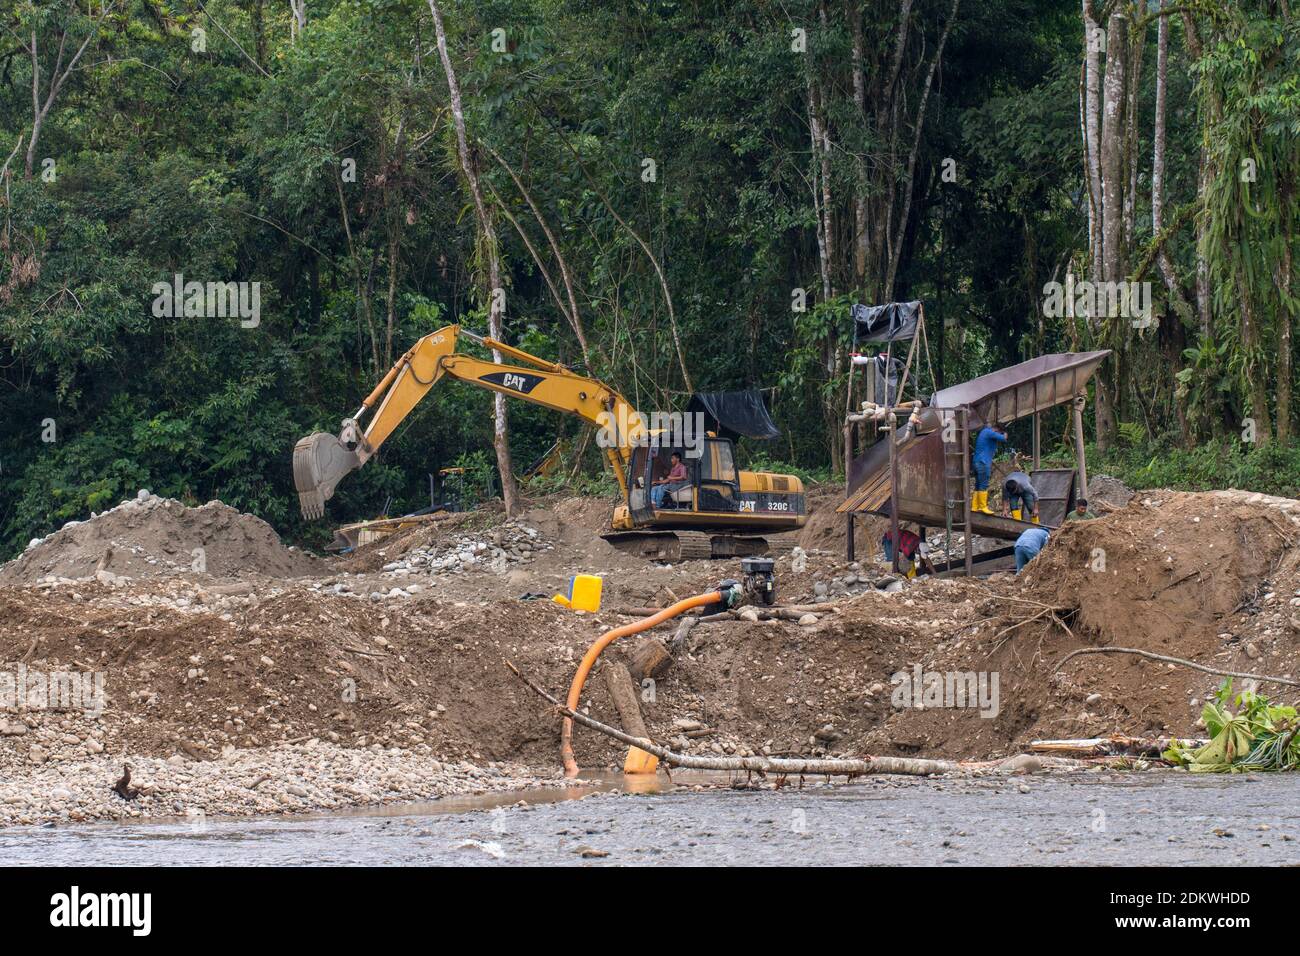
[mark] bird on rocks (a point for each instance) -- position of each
(123, 787)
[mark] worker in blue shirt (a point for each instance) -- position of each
(1028, 545)
(986, 447)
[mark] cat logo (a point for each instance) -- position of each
(520, 382)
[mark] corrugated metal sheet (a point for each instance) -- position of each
(1020, 390)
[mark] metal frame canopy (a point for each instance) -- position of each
(1021, 390)
(910, 473)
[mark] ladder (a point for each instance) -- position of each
(956, 477)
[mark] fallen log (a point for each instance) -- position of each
(623, 692)
(1217, 671)
(678, 642)
(910, 766)
(649, 658)
(1113, 746)
(789, 612)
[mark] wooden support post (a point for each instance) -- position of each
(852, 549)
(848, 451)
(963, 414)
(1078, 446)
(1038, 458)
(893, 489)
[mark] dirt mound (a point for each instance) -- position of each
(1106, 493)
(1169, 568)
(148, 536)
(825, 530)
(1212, 578)
(194, 667)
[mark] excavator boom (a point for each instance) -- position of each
(321, 460)
(720, 512)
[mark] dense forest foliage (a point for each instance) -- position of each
(676, 196)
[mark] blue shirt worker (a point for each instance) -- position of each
(986, 448)
(1019, 496)
(1028, 545)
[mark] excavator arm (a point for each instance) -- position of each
(321, 460)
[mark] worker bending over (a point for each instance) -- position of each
(1019, 499)
(1028, 545)
(986, 448)
(912, 547)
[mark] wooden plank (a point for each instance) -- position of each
(618, 681)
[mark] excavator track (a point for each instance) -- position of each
(677, 546)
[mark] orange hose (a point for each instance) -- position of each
(593, 652)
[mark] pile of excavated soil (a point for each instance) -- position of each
(191, 673)
(825, 530)
(1106, 494)
(288, 667)
(1209, 577)
(148, 536)
(572, 524)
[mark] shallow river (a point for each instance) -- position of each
(1151, 818)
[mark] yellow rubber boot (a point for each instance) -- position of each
(975, 500)
(1035, 520)
(1015, 513)
(984, 503)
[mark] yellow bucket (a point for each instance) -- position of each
(584, 593)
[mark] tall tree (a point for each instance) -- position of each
(494, 293)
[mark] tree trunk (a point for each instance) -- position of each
(574, 317)
(1194, 49)
(59, 74)
(1284, 345)
(1092, 134)
(297, 22)
(1136, 46)
(1172, 333)
(823, 237)
(501, 433)
(1284, 314)
(1255, 376)
(896, 246)
(1112, 208)
(1112, 151)
(860, 240)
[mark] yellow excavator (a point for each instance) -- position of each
(718, 512)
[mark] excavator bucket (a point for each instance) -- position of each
(319, 462)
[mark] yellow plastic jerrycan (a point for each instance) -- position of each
(584, 593)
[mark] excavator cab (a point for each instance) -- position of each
(712, 485)
(719, 482)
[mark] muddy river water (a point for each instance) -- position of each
(1147, 818)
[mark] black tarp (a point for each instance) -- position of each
(888, 371)
(732, 414)
(885, 323)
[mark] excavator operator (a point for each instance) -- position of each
(674, 481)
